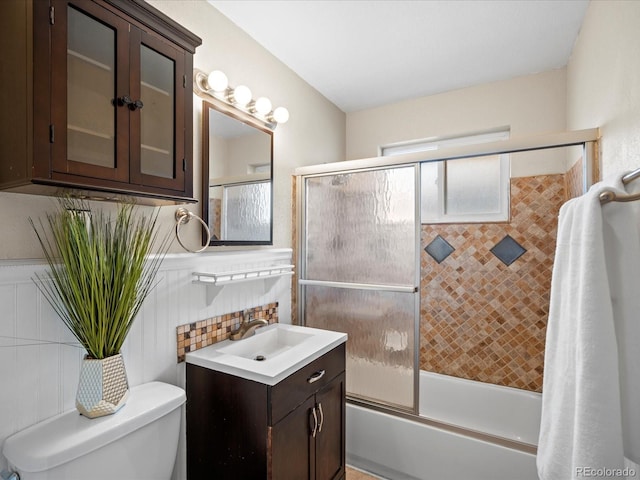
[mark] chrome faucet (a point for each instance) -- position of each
(247, 326)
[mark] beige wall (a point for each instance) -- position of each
(314, 134)
(529, 105)
(600, 87)
(603, 81)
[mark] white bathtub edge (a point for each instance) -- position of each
(496, 410)
(406, 449)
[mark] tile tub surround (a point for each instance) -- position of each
(197, 335)
(573, 180)
(480, 318)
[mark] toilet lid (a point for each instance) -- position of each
(69, 435)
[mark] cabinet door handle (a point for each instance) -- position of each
(321, 417)
(134, 105)
(315, 422)
(122, 101)
(316, 376)
(131, 104)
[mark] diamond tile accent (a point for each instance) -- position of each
(439, 249)
(508, 250)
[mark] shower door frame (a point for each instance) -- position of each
(413, 289)
(586, 139)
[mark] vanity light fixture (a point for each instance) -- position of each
(241, 95)
(279, 115)
(216, 84)
(217, 81)
(262, 106)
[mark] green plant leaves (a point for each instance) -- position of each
(100, 270)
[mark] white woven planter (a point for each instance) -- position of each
(103, 387)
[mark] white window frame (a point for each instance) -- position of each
(441, 215)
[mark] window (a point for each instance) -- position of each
(463, 190)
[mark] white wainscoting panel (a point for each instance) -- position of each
(40, 359)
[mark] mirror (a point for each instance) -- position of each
(237, 198)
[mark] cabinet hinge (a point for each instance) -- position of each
(52, 15)
(184, 81)
(52, 134)
(184, 165)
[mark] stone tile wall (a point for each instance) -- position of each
(573, 180)
(482, 319)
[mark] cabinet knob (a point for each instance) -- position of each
(122, 101)
(131, 104)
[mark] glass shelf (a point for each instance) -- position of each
(88, 60)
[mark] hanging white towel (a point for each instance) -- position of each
(590, 418)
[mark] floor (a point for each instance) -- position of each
(353, 474)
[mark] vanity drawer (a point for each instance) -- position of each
(296, 388)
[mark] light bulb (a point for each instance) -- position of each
(241, 95)
(262, 105)
(217, 81)
(280, 115)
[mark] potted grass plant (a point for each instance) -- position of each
(100, 272)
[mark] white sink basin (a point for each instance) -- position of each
(267, 344)
(272, 354)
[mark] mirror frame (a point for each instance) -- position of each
(221, 107)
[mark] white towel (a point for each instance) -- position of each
(590, 418)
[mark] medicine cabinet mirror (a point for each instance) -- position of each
(237, 159)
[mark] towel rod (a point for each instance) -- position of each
(609, 196)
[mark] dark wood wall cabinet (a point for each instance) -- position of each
(97, 98)
(239, 428)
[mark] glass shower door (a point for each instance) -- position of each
(358, 275)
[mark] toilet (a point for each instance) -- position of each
(138, 442)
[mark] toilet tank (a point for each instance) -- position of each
(138, 442)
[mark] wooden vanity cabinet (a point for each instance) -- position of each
(239, 428)
(101, 99)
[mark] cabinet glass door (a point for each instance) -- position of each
(159, 159)
(156, 93)
(88, 54)
(91, 76)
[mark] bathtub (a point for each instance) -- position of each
(466, 431)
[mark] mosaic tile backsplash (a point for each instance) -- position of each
(482, 317)
(200, 334)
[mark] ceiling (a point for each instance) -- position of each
(366, 53)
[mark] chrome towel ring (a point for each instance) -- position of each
(183, 216)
